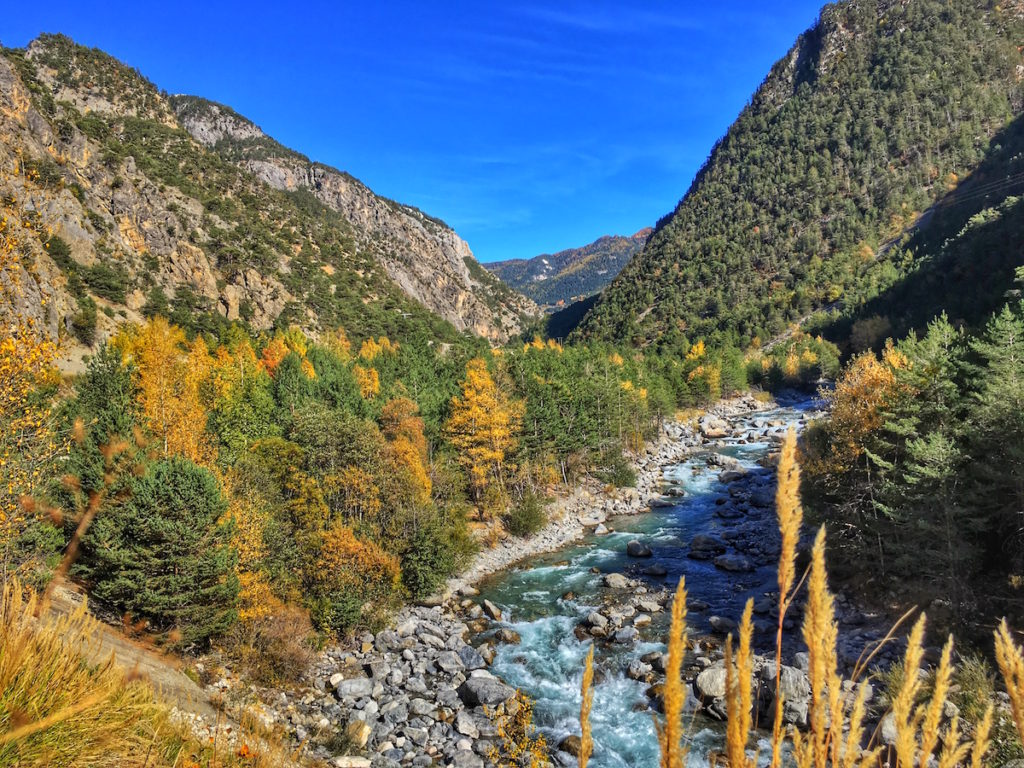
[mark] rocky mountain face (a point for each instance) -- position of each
(422, 254)
(879, 111)
(572, 274)
(113, 211)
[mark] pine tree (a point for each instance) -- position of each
(162, 553)
(996, 433)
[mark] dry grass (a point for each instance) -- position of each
(670, 733)
(586, 739)
(58, 709)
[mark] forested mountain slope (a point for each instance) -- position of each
(571, 274)
(132, 217)
(877, 112)
(420, 253)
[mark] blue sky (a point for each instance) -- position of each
(529, 127)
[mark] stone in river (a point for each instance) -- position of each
(638, 549)
(507, 636)
(655, 570)
(626, 635)
(492, 610)
(734, 563)
(722, 625)
(571, 745)
(616, 581)
(705, 547)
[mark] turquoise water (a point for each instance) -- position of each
(548, 663)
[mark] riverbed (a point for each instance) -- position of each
(545, 598)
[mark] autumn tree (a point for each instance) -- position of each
(483, 428)
(354, 581)
(28, 441)
(171, 373)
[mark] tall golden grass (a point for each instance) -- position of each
(836, 736)
(57, 708)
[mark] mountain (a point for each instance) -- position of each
(572, 274)
(147, 203)
(878, 112)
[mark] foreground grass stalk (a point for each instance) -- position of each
(670, 733)
(587, 701)
(790, 515)
(737, 692)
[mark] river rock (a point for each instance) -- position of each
(655, 570)
(466, 725)
(734, 563)
(641, 620)
(637, 670)
(492, 611)
(638, 549)
(484, 692)
(722, 625)
(471, 658)
(616, 581)
(508, 636)
(596, 619)
(713, 427)
(571, 744)
(626, 635)
(732, 475)
(710, 684)
(705, 547)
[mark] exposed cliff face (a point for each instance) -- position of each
(559, 278)
(420, 253)
(117, 211)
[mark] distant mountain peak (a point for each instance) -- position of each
(554, 279)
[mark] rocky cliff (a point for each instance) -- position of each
(112, 210)
(420, 253)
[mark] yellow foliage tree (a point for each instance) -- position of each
(483, 427)
(368, 381)
(27, 439)
(857, 403)
(370, 349)
(403, 427)
(171, 376)
(354, 493)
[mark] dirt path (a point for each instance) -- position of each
(163, 671)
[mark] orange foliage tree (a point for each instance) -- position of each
(357, 581)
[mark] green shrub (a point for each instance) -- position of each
(527, 517)
(83, 322)
(427, 562)
(617, 471)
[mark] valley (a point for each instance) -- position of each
(289, 478)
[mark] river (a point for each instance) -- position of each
(547, 664)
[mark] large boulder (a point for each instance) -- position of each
(710, 683)
(485, 692)
(571, 744)
(638, 549)
(706, 547)
(492, 611)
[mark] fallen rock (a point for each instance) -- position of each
(571, 745)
